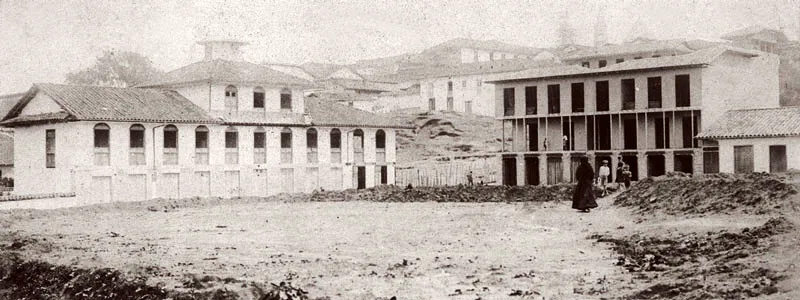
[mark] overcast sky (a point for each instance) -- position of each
(43, 40)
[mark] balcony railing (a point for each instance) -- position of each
(231, 156)
(170, 156)
(259, 155)
(102, 156)
(336, 155)
(380, 156)
(311, 156)
(201, 156)
(136, 157)
(286, 155)
(358, 156)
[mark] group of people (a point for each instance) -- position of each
(583, 199)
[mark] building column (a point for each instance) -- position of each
(697, 161)
(669, 162)
(520, 170)
(613, 166)
(641, 158)
(566, 167)
(543, 170)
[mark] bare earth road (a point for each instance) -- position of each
(350, 250)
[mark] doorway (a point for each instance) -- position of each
(532, 170)
(555, 170)
(684, 163)
(509, 171)
(777, 158)
(655, 165)
(361, 177)
(633, 164)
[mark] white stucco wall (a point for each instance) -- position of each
(40, 104)
(760, 152)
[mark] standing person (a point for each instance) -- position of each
(565, 142)
(469, 178)
(603, 176)
(545, 144)
(620, 165)
(583, 197)
(626, 176)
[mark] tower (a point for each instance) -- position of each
(566, 34)
(600, 29)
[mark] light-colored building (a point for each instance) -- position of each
(757, 140)
(605, 55)
(647, 111)
(758, 38)
(220, 127)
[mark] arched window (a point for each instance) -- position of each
(136, 145)
(336, 146)
(231, 146)
(170, 145)
(286, 99)
(102, 152)
(260, 145)
(201, 145)
(311, 145)
(358, 145)
(231, 98)
(380, 146)
(286, 145)
(258, 97)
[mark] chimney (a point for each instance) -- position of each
(222, 49)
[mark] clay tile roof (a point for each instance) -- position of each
(630, 48)
(694, 59)
(328, 113)
(225, 71)
(111, 104)
(755, 123)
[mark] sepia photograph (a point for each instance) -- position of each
(399, 150)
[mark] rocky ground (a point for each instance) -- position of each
(476, 243)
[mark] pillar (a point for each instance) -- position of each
(697, 161)
(669, 162)
(520, 170)
(566, 167)
(543, 170)
(641, 158)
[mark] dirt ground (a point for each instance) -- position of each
(369, 250)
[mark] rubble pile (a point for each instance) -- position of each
(679, 193)
(459, 193)
(702, 266)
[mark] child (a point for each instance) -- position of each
(626, 176)
(603, 176)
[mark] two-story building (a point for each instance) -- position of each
(219, 127)
(647, 111)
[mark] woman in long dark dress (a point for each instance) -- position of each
(583, 199)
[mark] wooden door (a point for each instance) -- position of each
(555, 171)
(742, 159)
(777, 158)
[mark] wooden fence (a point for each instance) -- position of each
(450, 171)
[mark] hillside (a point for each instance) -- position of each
(445, 134)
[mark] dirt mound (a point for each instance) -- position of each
(41, 280)
(708, 266)
(460, 193)
(679, 193)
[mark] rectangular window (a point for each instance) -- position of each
(201, 147)
(259, 147)
(431, 104)
(286, 101)
(577, 97)
(50, 148)
(653, 92)
(554, 98)
(530, 100)
(638, 57)
(137, 139)
(603, 63)
(628, 94)
(450, 103)
(508, 101)
(231, 148)
(682, 91)
(449, 86)
(585, 64)
(777, 158)
(619, 60)
(258, 100)
(601, 90)
(286, 147)
(136, 144)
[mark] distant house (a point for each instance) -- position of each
(757, 37)
(7, 136)
(757, 140)
(606, 55)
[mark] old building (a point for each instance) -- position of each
(758, 38)
(757, 140)
(647, 111)
(218, 127)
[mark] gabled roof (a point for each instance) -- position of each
(755, 123)
(342, 96)
(320, 70)
(329, 113)
(502, 66)
(493, 45)
(8, 101)
(109, 104)
(695, 59)
(645, 47)
(364, 85)
(226, 71)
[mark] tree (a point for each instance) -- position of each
(118, 69)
